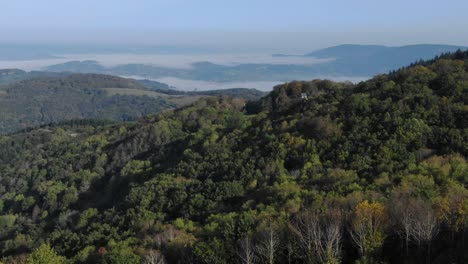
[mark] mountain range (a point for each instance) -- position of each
(368, 60)
(351, 61)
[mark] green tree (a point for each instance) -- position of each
(45, 254)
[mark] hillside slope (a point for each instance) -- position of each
(214, 181)
(36, 101)
(45, 100)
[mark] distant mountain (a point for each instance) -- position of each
(201, 71)
(9, 72)
(88, 66)
(8, 76)
(348, 61)
(410, 52)
(367, 60)
(244, 93)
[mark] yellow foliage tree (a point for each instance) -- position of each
(368, 226)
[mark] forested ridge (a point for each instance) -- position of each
(60, 97)
(42, 100)
(315, 172)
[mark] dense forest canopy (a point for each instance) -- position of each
(315, 172)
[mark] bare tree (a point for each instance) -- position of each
(289, 249)
(305, 228)
(320, 235)
(245, 251)
(154, 257)
(330, 248)
(425, 225)
(268, 243)
(402, 216)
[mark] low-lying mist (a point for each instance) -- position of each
(178, 63)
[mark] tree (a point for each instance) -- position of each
(245, 250)
(330, 242)
(425, 225)
(368, 227)
(320, 235)
(305, 228)
(45, 255)
(452, 207)
(267, 243)
(116, 258)
(154, 257)
(402, 215)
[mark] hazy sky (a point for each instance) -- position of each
(283, 25)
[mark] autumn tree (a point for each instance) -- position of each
(368, 227)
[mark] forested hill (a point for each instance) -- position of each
(375, 172)
(41, 100)
(45, 100)
(8, 76)
(91, 81)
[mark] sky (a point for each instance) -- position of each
(276, 25)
